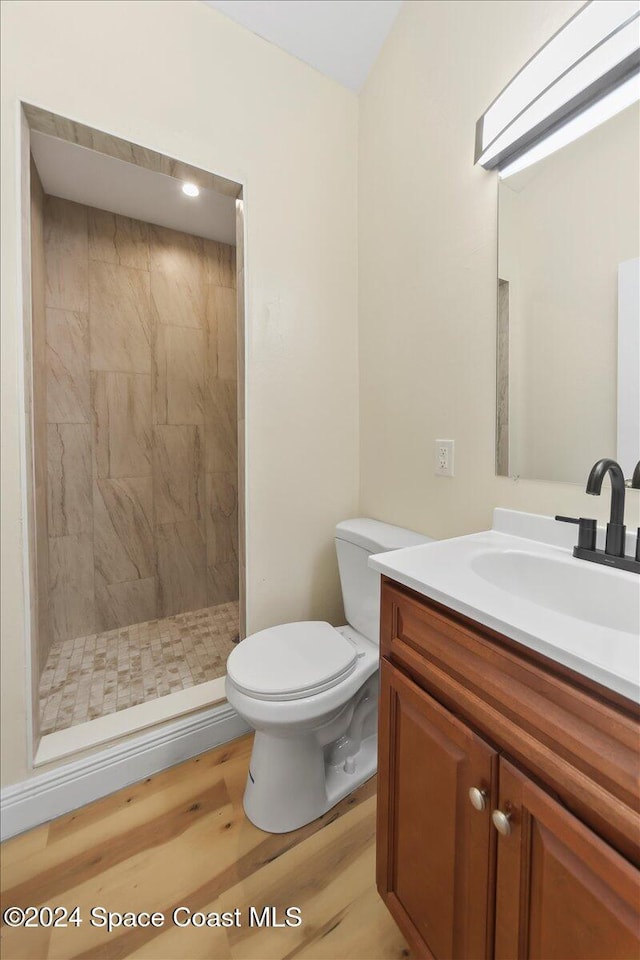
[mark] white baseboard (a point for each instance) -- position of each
(49, 795)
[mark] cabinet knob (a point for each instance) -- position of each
(478, 798)
(501, 822)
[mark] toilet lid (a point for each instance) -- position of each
(291, 661)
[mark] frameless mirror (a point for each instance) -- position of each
(568, 357)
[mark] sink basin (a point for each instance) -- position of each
(581, 590)
(521, 579)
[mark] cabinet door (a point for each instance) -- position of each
(435, 850)
(561, 891)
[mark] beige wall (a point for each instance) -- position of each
(213, 94)
(427, 248)
(427, 267)
(565, 225)
(141, 417)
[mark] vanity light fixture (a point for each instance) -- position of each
(594, 56)
(614, 102)
(190, 190)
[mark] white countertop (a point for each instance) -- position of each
(521, 579)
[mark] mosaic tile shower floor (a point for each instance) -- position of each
(92, 676)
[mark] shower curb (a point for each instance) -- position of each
(46, 796)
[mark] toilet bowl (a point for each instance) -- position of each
(310, 691)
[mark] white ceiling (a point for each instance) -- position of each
(86, 176)
(340, 38)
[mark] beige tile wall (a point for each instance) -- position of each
(39, 364)
(141, 410)
(240, 366)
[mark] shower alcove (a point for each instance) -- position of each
(135, 381)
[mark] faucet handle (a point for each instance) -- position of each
(586, 531)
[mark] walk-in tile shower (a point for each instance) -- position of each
(135, 426)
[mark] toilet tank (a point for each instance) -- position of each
(356, 540)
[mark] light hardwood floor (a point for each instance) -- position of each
(181, 838)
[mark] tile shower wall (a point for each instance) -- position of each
(242, 545)
(142, 489)
(39, 416)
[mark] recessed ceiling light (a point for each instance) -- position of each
(190, 189)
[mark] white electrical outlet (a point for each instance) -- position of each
(444, 457)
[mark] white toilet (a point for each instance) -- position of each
(310, 690)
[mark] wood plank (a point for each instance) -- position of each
(342, 934)
(181, 838)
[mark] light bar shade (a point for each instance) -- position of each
(615, 102)
(595, 52)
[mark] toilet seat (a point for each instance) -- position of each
(291, 661)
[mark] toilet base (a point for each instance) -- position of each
(290, 783)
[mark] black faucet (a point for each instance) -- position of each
(635, 483)
(613, 554)
(616, 531)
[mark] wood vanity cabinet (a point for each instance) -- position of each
(463, 708)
